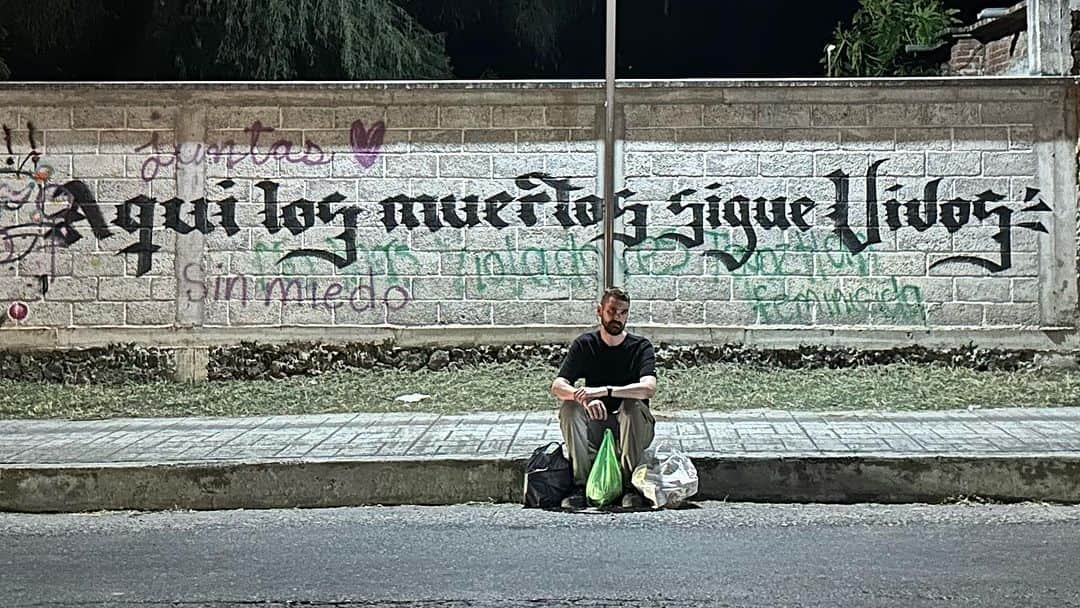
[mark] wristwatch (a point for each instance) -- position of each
(609, 391)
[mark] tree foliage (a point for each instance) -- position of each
(873, 44)
(219, 39)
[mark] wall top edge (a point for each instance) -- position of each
(510, 85)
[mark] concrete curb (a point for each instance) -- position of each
(338, 483)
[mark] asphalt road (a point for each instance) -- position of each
(484, 555)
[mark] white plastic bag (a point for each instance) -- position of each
(666, 476)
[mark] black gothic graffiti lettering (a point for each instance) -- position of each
(697, 221)
(327, 215)
(840, 214)
(143, 225)
(639, 222)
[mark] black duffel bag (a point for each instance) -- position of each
(548, 477)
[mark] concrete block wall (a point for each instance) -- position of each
(191, 215)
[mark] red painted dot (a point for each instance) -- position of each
(18, 311)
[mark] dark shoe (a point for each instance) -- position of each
(575, 501)
(634, 500)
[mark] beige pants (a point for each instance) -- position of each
(633, 425)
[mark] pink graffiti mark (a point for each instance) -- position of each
(18, 311)
(366, 143)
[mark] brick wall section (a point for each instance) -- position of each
(472, 164)
(1008, 55)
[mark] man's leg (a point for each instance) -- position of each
(636, 430)
(574, 422)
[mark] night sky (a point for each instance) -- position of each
(694, 39)
(657, 39)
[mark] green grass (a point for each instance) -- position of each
(516, 386)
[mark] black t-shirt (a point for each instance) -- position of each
(602, 365)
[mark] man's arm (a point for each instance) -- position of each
(562, 389)
(644, 388)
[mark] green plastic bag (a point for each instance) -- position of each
(605, 479)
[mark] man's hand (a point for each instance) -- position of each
(586, 394)
(596, 409)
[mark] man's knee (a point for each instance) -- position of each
(634, 410)
(571, 410)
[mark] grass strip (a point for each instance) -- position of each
(523, 386)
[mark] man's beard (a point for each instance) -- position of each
(613, 327)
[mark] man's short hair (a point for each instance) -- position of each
(614, 292)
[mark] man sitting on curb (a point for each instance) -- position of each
(620, 376)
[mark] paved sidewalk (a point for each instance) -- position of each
(990, 432)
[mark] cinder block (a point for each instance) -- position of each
(90, 314)
(412, 165)
(232, 117)
(492, 287)
(45, 117)
(787, 164)
(981, 138)
(465, 313)
(18, 288)
(1009, 163)
(730, 314)
(491, 141)
(97, 117)
(124, 289)
(732, 164)
(438, 288)
(1021, 138)
(678, 164)
(663, 115)
(465, 165)
(463, 117)
(105, 165)
(811, 140)
(307, 314)
(1013, 113)
(839, 115)
(576, 312)
(573, 165)
(854, 164)
(677, 313)
(572, 116)
(518, 116)
(902, 164)
(906, 263)
(150, 313)
(71, 142)
(514, 165)
(151, 117)
(704, 288)
(411, 117)
(953, 163)
(1024, 315)
(436, 140)
(883, 139)
(309, 117)
(520, 313)
(663, 140)
(731, 115)
(756, 140)
(982, 289)
(48, 314)
(921, 140)
(783, 115)
(637, 164)
(70, 289)
(255, 312)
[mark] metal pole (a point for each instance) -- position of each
(609, 150)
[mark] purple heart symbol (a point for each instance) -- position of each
(366, 143)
